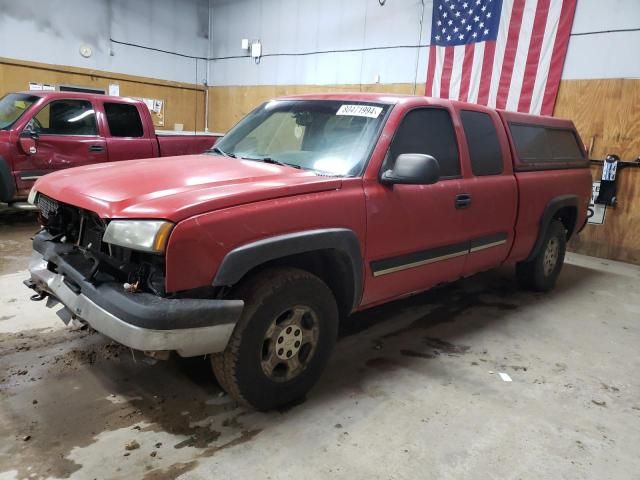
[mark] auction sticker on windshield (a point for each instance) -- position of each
(359, 111)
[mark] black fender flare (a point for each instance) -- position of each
(241, 260)
(550, 211)
(7, 182)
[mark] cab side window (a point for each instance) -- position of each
(66, 117)
(482, 140)
(428, 131)
(123, 120)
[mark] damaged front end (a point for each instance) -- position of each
(83, 232)
(120, 291)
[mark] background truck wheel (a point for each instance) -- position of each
(282, 341)
(540, 273)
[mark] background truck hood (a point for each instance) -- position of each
(176, 188)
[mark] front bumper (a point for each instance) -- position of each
(141, 321)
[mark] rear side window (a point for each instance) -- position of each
(66, 117)
(482, 140)
(535, 143)
(531, 143)
(428, 131)
(564, 145)
(123, 120)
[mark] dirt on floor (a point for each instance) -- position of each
(62, 389)
(61, 393)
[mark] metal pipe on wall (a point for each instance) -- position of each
(415, 79)
(206, 90)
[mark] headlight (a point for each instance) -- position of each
(145, 235)
(32, 196)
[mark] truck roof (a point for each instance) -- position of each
(395, 98)
(387, 98)
(79, 95)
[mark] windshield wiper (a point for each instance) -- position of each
(273, 161)
(221, 152)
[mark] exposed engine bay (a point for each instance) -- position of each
(97, 260)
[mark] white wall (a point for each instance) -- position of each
(52, 31)
(295, 26)
(292, 26)
(605, 55)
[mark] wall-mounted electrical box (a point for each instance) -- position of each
(244, 44)
(256, 49)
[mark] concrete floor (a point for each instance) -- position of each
(412, 391)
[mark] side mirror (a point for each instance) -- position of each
(27, 140)
(413, 169)
(30, 130)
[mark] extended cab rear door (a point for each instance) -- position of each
(128, 135)
(489, 196)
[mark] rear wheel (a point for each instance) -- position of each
(541, 272)
(283, 340)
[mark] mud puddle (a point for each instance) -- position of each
(62, 391)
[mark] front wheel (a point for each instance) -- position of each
(541, 272)
(282, 341)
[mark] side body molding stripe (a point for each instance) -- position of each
(242, 259)
(438, 254)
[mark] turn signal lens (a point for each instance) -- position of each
(162, 237)
(32, 196)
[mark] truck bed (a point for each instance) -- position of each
(184, 143)
(170, 133)
(542, 179)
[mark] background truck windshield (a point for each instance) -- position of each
(329, 137)
(12, 106)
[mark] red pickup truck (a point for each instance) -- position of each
(41, 132)
(311, 208)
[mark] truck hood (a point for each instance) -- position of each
(175, 188)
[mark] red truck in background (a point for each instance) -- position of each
(309, 209)
(41, 132)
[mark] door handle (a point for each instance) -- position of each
(96, 148)
(463, 200)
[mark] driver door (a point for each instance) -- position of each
(67, 136)
(415, 233)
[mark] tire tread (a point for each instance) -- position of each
(530, 275)
(254, 291)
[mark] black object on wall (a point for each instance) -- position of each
(609, 182)
(73, 88)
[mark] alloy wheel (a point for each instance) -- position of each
(289, 343)
(551, 256)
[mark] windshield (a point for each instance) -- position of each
(326, 136)
(12, 106)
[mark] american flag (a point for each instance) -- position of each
(505, 54)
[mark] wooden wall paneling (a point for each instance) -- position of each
(619, 237)
(228, 104)
(184, 103)
(608, 111)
